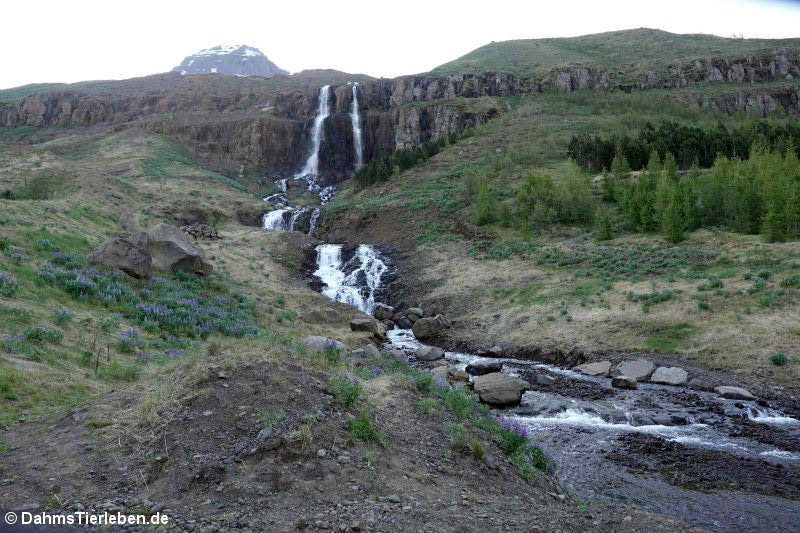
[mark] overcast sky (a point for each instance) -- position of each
(67, 41)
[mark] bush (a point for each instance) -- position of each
(41, 334)
(361, 428)
(778, 359)
(458, 401)
(457, 435)
(62, 316)
(271, 418)
(345, 390)
(426, 405)
(423, 381)
(128, 340)
(511, 436)
(8, 285)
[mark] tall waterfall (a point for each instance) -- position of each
(359, 286)
(311, 169)
(356, 120)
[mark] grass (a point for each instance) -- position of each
(671, 338)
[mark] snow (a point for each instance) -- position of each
(250, 52)
(213, 70)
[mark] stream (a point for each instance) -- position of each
(727, 465)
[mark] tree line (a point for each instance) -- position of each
(690, 145)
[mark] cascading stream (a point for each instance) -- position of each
(311, 169)
(358, 288)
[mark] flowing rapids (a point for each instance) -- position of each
(359, 286)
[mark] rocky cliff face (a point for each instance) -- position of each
(232, 124)
(233, 60)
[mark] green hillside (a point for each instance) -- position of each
(629, 51)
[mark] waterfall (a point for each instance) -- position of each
(274, 220)
(312, 224)
(311, 169)
(357, 288)
(356, 120)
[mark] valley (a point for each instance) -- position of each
(407, 290)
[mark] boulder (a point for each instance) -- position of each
(426, 328)
(481, 368)
(638, 369)
(412, 317)
(499, 389)
(457, 375)
(404, 323)
(371, 351)
(671, 375)
(319, 316)
(317, 342)
(415, 311)
(734, 393)
(383, 311)
(170, 248)
(397, 355)
(624, 382)
(201, 231)
(370, 325)
(429, 353)
(124, 254)
(600, 368)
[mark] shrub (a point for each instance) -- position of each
(426, 405)
(361, 427)
(41, 334)
(8, 285)
(478, 450)
(44, 245)
(271, 418)
(128, 340)
(458, 401)
(791, 282)
(457, 435)
(511, 436)
(423, 381)
(62, 316)
(345, 390)
(4, 243)
(778, 359)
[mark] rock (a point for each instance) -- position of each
(404, 323)
(499, 389)
(638, 369)
(600, 368)
(397, 355)
(415, 311)
(383, 311)
(545, 379)
(489, 461)
(671, 375)
(457, 375)
(28, 507)
(201, 231)
(371, 351)
(233, 60)
(370, 325)
(734, 393)
(264, 435)
(429, 353)
(496, 351)
(322, 452)
(426, 328)
(394, 498)
(412, 317)
(124, 254)
(624, 382)
(170, 248)
(317, 342)
(481, 368)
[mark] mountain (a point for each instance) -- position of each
(628, 53)
(234, 60)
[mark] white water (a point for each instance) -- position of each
(312, 224)
(311, 169)
(274, 220)
(359, 286)
(356, 120)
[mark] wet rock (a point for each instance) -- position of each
(404, 323)
(396, 354)
(600, 368)
(624, 382)
(383, 311)
(638, 369)
(457, 375)
(124, 254)
(417, 311)
(370, 325)
(429, 353)
(734, 393)
(499, 389)
(317, 342)
(672, 375)
(394, 498)
(481, 368)
(426, 328)
(545, 379)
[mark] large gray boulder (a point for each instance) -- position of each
(383, 311)
(172, 248)
(427, 328)
(671, 375)
(638, 369)
(317, 342)
(624, 382)
(480, 368)
(734, 393)
(370, 325)
(499, 389)
(600, 368)
(125, 254)
(429, 353)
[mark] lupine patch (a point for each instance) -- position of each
(8, 285)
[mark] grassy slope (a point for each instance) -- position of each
(498, 284)
(628, 51)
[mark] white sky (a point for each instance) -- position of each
(67, 41)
